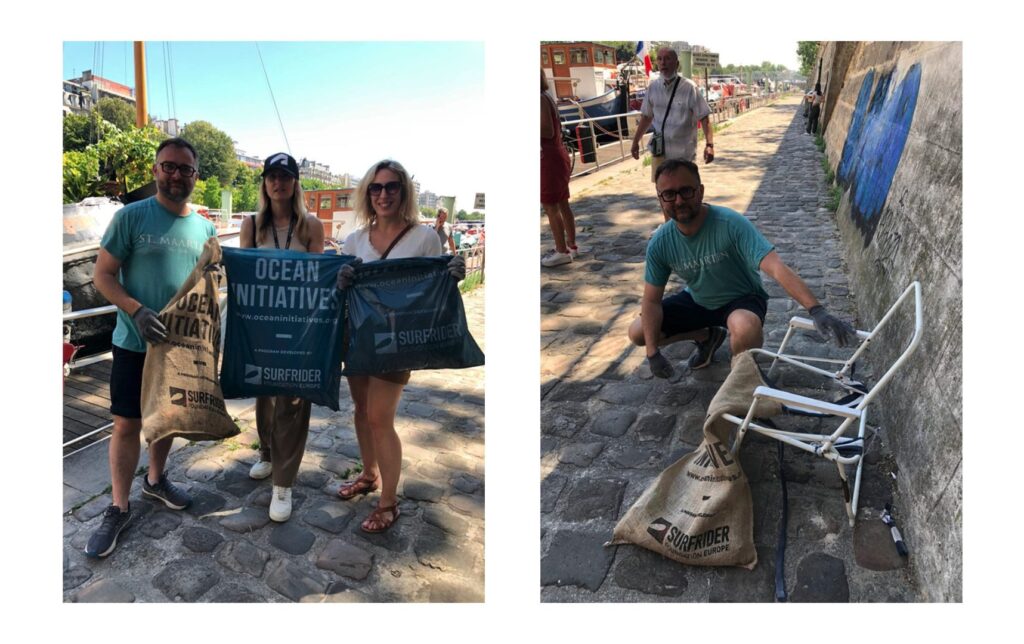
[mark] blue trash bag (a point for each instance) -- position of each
(407, 314)
(284, 325)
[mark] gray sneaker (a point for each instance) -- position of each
(706, 349)
(104, 540)
(172, 496)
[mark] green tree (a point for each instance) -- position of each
(117, 112)
(461, 215)
(211, 193)
(807, 50)
(476, 215)
(81, 175)
(119, 163)
(428, 212)
(244, 175)
(246, 198)
(215, 149)
(313, 184)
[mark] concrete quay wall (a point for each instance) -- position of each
(893, 132)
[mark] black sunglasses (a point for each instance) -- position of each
(391, 187)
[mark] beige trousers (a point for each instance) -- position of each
(283, 424)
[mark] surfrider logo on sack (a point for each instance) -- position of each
(385, 343)
(252, 375)
(196, 399)
(702, 544)
(177, 396)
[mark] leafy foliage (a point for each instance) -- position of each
(807, 50)
(116, 112)
(211, 193)
(428, 212)
(121, 162)
(313, 184)
(216, 151)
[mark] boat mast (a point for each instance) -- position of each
(141, 117)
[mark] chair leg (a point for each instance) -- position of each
(847, 497)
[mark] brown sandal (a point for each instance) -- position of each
(377, 516)
(361, 485)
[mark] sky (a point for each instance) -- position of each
(344, 104)
(744, 50)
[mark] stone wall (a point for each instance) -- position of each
(893, 134)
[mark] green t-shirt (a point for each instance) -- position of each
(719, 264)
(158, 251)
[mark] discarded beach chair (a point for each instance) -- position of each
(838, 447)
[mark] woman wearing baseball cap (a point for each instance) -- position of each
(281, 421)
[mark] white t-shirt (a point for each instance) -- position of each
(688, 108)
(420, 241)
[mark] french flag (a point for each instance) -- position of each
(645, 54)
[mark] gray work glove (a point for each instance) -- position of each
(828, 325)
(457, 268)
(660, 367)
(347, 274)
(149, 325)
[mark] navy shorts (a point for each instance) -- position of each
(126, 383)
(680, 314)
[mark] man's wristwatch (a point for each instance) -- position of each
(709, 145)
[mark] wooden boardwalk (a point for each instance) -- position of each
(87, 404)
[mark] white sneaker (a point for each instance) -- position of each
(281, 504)
(261, 470)
(555, 258)
(574, 251)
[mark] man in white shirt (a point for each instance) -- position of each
(680, 126)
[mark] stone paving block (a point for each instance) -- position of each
(237, 483)
(732, 584)
(574, 392)
(675, 396)
(292, 581)
(242, 556)
(633, 458)
(311, 478)
(330, 516)
(93, 508)
(186, 579)
(612, 422)
(343, 467)
(467, 484)
(454, 590)
(339, 593)
(650, 573)
(345, 559)
(103, 591)
(564, 420)
(437, 549)
(580, 454)
(821, 578)
(205, 502)
(418, 490)
(292, 538)
(75, 576)
(198, 539)
(577, 558)
(204, 470)
(873, 547)
(591, 498)
(550, 489)
(246, 520)
(159, 523)
(468, 505)
(654, 427)
(232, 593)
(450, 522)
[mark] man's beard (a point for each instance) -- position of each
(684, 214)
(178, 192)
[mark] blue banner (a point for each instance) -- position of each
(284, 325)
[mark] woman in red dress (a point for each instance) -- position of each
(554, 182)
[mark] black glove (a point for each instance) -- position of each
(347, 274)
(828, 325)
(457, 268)
(149, 325)
(660, 367)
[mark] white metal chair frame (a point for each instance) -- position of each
(831, 446)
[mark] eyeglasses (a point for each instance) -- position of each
(391, 187)
(669, 196)
(184, 170)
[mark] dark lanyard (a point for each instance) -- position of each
(288, 242)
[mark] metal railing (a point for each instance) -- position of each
(586, 133)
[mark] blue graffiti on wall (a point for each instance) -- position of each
(874, 144)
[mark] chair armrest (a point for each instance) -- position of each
(805, 403)
(797, 322)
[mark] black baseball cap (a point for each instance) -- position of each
(281, 161)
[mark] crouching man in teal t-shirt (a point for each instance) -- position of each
(147, 253)
(718, 252)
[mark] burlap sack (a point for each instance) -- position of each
(181, 394)
(699, 509)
